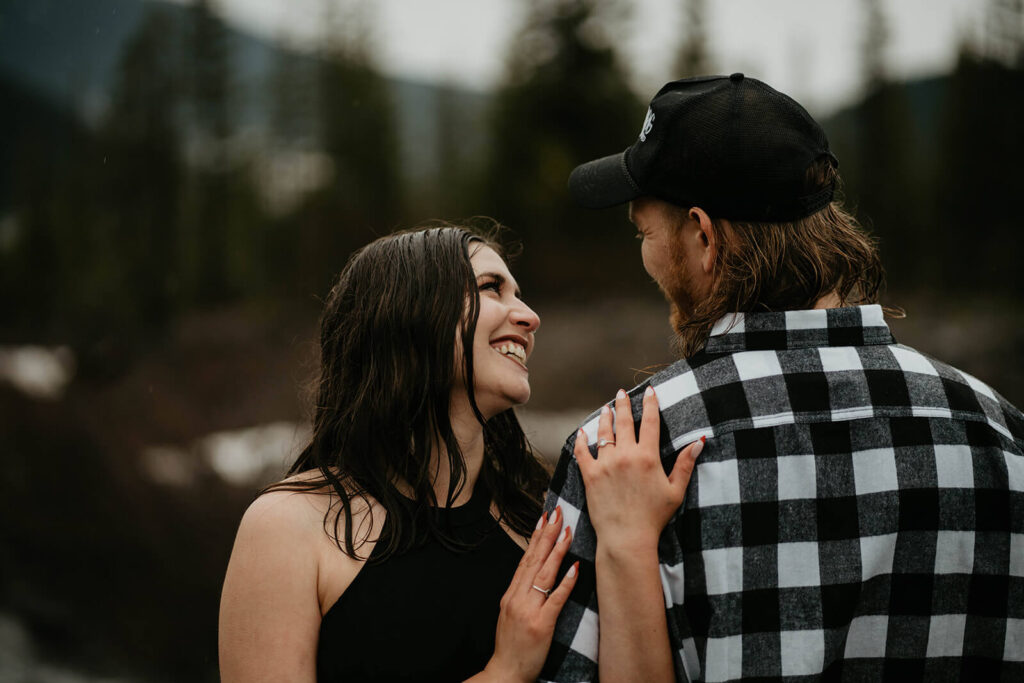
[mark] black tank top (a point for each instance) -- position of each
(428, 614)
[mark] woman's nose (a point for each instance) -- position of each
(524, 316)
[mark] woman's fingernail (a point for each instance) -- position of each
(605, 409)
(540, 522)
(703, 439)
(580, 434)
(698, 446)
(620, 394)
(565, 534)
(572, 569)
(649, 391)
(555, 515)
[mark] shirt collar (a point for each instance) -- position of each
(850, 326)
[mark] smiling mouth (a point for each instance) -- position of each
(516, 352)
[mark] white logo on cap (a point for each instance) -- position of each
(648, 125)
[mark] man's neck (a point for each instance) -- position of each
(830, 300)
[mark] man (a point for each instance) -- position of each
(857, 512)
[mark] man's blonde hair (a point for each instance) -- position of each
(784, 266)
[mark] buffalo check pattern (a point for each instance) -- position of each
(857, 512)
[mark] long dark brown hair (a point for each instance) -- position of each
(387, 368)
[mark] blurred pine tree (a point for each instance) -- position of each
(356, 122)
(883, 185)
(565, 100)
(692, 58)
(136, 272)
(209, 124)
(980, 171)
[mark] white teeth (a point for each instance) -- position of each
(512, 349)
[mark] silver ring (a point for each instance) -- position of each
(605, 442)
(538, 588)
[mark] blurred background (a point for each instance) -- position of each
(180, 182)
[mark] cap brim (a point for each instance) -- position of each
(602, 183)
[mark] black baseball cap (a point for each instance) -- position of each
(731, 145)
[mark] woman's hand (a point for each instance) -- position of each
(629, 498)
(531, 604)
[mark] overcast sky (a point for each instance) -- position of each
(807, 48)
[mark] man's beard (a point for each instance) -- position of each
(683, 296)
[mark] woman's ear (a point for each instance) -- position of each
(708, 235)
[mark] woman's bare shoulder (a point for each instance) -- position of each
(307, 504)
(301, 503)
(288, 501)
(289, 534)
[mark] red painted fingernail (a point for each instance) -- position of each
(565, 535)
(555, 515)
(703, 439)
(540, 522)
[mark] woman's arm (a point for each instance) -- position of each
(630, 501)
(269, 611)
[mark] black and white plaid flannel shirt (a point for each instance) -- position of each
(856, 514)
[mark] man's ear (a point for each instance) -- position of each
(707, 235)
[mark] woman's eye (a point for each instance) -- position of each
(639, 236)
(492, 286)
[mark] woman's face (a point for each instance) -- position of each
(504, 336)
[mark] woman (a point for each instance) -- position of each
(402, 528)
